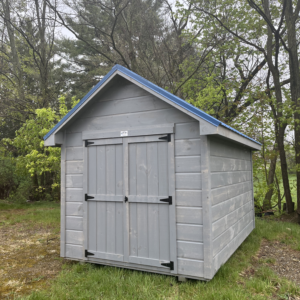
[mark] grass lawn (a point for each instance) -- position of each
(244, 276)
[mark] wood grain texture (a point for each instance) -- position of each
(189, 215)
(75, 153)
(190, 250)
(63, 199)
(74, 251)
(228, 206)
(231, 247)
(188, 181)
(188, 232)
(188, 198)
(229, 220)
(74, 223)
(187, 131)
(188, 164)
(224, 148)
(207, 207)
(190, 267)
(222, 240)
(74, 167)
(74, 139)
(164, 116)
(229, 178)
(128, 105)
(74, 209)
(74, 181)
(189, 147)
(74, 237)
(224, 164)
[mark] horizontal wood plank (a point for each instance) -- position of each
(188, 164)
(187, 147)
(164, 116)
(74, 195)
(74, 139)
(190, 250)
(189, 215)
(225, 148)
(74, 223)
(221, 194)
(189, 197)
(222, 240)
(228, 178)
(74, 153)
(74, 167)
(190, 267)
(224, 164)
(74, 181)
(188, 232)
(188, 181)
(74, 237)
(74, 251)
(187, 131)
(74, 209)
(129, 105)
(226, 222)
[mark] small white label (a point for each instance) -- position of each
(123, 133)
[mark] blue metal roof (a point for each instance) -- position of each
(156, 89)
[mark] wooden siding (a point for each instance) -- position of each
(231, 197)
(122, 108)
(74, 196)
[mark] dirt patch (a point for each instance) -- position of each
(29, 257)
(281, 259)
(291, 218)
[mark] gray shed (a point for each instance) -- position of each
(151, 183)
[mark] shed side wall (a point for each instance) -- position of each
(232, 198)
(124, 106)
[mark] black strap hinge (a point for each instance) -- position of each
(169, 265)
(88, 143)
(87, 197)
(166, 138)
(86, 253)
(169, 200)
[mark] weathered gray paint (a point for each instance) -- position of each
(210, 180)
(232, 198)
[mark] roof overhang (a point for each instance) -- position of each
(208, 124)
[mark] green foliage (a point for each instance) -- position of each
(42, 163)
(209, 98)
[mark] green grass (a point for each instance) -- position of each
(87, 281)
(44, 213)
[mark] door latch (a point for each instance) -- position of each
(126, 199)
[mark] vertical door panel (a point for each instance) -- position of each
(149, 223)
(105, 211)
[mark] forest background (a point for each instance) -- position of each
(236, 60)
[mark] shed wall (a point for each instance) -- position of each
(123, 106)
(232, 197)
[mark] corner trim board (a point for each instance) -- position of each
(206, 207)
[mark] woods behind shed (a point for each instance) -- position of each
(149, 182)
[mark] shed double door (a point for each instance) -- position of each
(130, 202)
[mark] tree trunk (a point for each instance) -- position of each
(274, 69)
(270, 181)
(291, 18)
